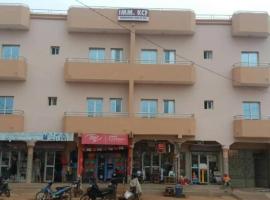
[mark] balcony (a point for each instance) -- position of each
(14, 17)
(13, 69)
(252, 24)
(109, 123)
(256, 76)
(11, 121)
(83, 70)
(251, 128)
(181, 22)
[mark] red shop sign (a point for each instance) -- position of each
(105, 139)
(161, 148)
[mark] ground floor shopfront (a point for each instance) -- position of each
(249, 164)
(37, 157)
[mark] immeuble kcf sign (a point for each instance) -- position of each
(130, 14)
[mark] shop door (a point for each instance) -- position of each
(146, 163)
(199, 169)
(49, 166)
(4, 163)
(261, 169)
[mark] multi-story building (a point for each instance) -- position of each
(164, 92)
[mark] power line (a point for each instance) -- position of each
(156, 44)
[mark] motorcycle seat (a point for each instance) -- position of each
(60, 188)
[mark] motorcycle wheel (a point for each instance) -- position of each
(41, 196)
(85, 197)
(68, 195)
(7, 193)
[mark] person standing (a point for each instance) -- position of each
(37, 168)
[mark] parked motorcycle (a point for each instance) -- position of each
(135, 190)
(76, 188)
(4, 188)
(61, 193)
(93, 192)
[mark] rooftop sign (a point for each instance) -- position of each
(130, 14)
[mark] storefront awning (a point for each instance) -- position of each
(36, 136)
(105, 139)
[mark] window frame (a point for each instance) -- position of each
(208, 104)
(148, 61)
(248, 64)
(206, 54)
(97, 60)
(95, 113)
(52, 101)
(148, 114)
(169, 61)
(121, 50)
(168, 100)
(10, 56)
(251, 115)
(5, 110)
(55, 50)
(115, 109)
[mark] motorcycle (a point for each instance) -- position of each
(93, 192)
(76, 188)
(4, 189)
(135, 190)
(61, 193)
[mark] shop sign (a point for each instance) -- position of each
(37, 136)
(105, 139)
(161, 147)
(133, 15)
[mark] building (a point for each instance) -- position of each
(135, 89)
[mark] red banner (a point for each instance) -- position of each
(105, 139)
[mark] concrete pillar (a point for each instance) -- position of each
(225, 152)
(130, 159)
(131, 98)
(177, 167)
(132, 46)
(188, 164)
(30, 153)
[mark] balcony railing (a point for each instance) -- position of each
(97, 114)
(250, 64)
(251, 117)
(88, 60)
(163, 115)
(11, 112)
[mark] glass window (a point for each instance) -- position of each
(116, 105)
(169, 56)
(117, 55)
(10, 51)
(169, 106)
(52, 101)
(55, 50)
(207, 54)
(250, 59)
(251, 110)
(6, 105)
(95, 106)
(209, 104)
(97, 54)
(148, 56)
(148, 107)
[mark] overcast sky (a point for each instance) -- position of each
(199, 6)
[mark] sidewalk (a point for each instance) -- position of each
(23, 191)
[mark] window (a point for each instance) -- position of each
(208, 54)
(10, 51)
(209, 104)
(169, 106)
(95, 106)
(148, 107)
(148, 56)
(116, 105)
(52, 101)
(97, 54)
(169, 56)
(55, 50)
(251, 110)
(117, 55)
(249, 59)
(6, 105)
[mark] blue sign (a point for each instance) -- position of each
(36, 136)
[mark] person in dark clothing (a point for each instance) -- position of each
(13, 168)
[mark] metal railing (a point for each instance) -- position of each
(213, 17)
(125, 114)
(97, 114)
(13, 58)
(164, 62)
(251, 117)
(11, 112)
(250, 64)
(95, 61)
(163, 115)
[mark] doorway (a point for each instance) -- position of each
(203, 167)
(261, 169)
